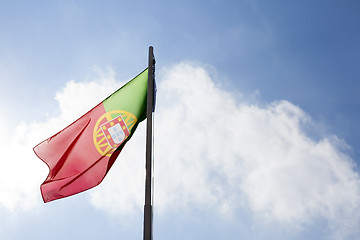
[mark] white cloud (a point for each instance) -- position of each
(21, 172)
(212, 149)
(17, 167)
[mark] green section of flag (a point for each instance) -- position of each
(131, 97)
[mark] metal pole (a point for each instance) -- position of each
(149, 136)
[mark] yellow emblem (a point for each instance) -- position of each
(111, 130)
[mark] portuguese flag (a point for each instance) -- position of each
(80, 155)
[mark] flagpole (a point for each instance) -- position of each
(149, 137)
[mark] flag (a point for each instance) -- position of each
(80, 155)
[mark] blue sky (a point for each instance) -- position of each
(256, 129)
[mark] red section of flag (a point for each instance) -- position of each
(75, 164)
